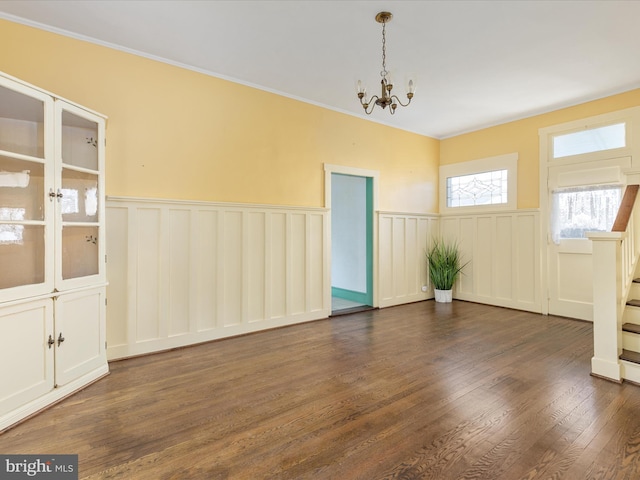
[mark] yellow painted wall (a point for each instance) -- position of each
(178, 134)
(173, 133)
(522, 136)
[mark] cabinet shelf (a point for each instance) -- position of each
(76, 168)
(22, 222)
(19, 156)
(80, 224)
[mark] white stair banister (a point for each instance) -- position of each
(607, 304)
(615, 257)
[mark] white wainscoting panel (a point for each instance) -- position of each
(188, 272)
(117, 259)
(402, 265)
(183, 272)
(503, 250)
(150, 312)
(206, 270)
(179, 269)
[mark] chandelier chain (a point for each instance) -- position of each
(384, 72)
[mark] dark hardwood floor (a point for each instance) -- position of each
(459, 391)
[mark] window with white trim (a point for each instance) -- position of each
(484, 184)
(486, 188)
(577, 210)
(598, 139)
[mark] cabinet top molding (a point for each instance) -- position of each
(53, 95)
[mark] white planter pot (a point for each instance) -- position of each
(443, 296)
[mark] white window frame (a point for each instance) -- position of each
(611, 164)
(554, 217)
(507, 162)
(629, 116)
(588, 128)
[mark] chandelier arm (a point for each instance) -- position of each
(398, 100)
(372, 104)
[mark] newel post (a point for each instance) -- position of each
(607, 306)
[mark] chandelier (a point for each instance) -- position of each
(386, 99)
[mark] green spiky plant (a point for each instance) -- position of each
(445, 263)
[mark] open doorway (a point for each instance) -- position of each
(350, 196)
(351, 243)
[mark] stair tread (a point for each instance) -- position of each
(630, 356)
(634, 302)
(631, 327)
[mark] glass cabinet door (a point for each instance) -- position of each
(22, 240)
(79, 141)
(26, 170)
(51, 193)
(21, 123)
(80, 206)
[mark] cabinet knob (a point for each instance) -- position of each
(53, 194)
(60, 339)
(50, 342)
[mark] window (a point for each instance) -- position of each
(591, 140)
(488, 183)
(487, 188)
(578, 210)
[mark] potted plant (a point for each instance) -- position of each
(445, 264)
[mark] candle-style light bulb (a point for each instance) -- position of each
(389, 78)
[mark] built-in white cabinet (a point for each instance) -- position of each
(26, 361)
(80, 334)
(52, 249)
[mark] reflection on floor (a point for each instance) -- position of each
(340, 306)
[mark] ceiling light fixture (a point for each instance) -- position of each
(386, 99)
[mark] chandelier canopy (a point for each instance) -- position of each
(386, 98)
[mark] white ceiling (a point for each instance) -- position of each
(477, 63)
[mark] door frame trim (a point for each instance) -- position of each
(374, 175)
(629, 115)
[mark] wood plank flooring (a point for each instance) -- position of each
(421, 391)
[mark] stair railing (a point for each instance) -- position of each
(615, 257)
(627, 221)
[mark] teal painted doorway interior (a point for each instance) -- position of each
(351, 241)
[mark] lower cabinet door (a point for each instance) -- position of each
(80, 334)
(26, 355)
